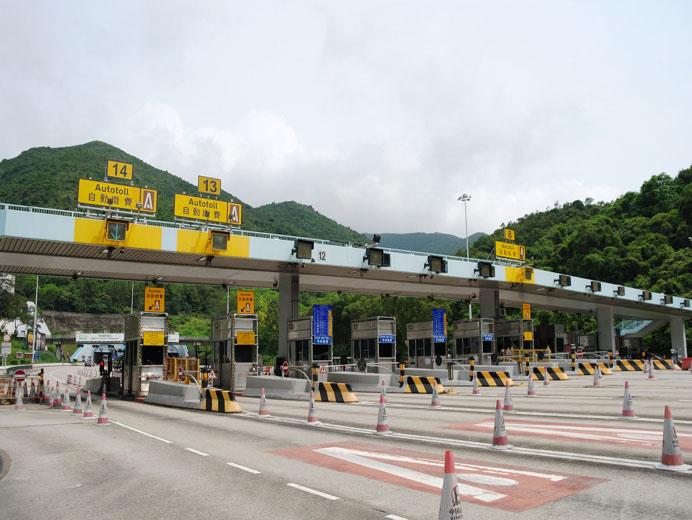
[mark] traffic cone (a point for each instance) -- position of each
(57, 402)
(532, 392)
(500, 441)
(546, 378)
(51, 397)
(69, 379)
(596, 381)
(312, 411)
(450, 501)
(508, 407)
(382, 425)
(435, 401)
(19, 403)
(66, 401)
(651, 370)
(384, 391)
(77, 403)
(646, 367)
(671, 456)
(88, 409)
(263, 412)
(627, 411)
(103, 413)
(33, 390)
(476, 391)
(600, 372)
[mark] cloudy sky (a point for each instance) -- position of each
(379, 114)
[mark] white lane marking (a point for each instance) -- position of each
(141, 432)
(313, 491)
(394, 517)
(192, 450)
(249, 470)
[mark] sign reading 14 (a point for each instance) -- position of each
(119, 170)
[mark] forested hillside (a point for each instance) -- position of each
(438, 243)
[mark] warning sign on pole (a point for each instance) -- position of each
(154, 299)
(245, 302)
(526, 310)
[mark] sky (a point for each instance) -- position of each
(378, 114)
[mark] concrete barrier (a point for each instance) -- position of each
(278, 387)
(168, 393)
(362, 382)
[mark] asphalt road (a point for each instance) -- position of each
(573, 457)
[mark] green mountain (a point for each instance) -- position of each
(48, 177)
(437, 243)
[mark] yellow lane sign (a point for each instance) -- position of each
(526, 310)
(509, 234)
(506, 250)
(246, 337)
(154, 299)
(245, 302)
(97, 193)
(209, 185)
(187, 206)
(119, 170)
(153, 337)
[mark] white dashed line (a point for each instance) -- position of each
(141, 432)
(394, 517)
(197, 452)
(313, 491)
(249, 470)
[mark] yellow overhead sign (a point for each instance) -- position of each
(119, 170)
(97, 193)
(209, 185)
(528, 336)
(506, 250)
(509, 234)
(245, 337)
(187, 206)
(526, 310)
(154, 299)
(519, 274)
(153, 338)
(245, 302)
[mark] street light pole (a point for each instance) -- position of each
(465, 198)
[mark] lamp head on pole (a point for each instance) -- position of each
(464, 197)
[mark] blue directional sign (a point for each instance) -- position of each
(322, 324)
(37, 356)
(439, 325)
(386, 338)
(488, 337)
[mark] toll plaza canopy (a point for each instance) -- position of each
(70, 243)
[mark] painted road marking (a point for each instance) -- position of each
(509, 488)
(313, 491)
(394, 517)
(141, 432)
(249, 470)
(192, 450)
(631, 437)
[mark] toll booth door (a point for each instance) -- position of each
(424, 353)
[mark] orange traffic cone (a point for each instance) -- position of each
(508, 407)
(312, 411)
(600, 372)
(476, 391)
(651, 370)
(77, 403)
(646, 367)
(19, 403)
(66, 401)
(596, 380)
(384, 391)
(382, 424)
(671, 457)
(263, 412)
(450, 502)
(103, 413)
(435, 401)
(546, 377)
(57, 401)
(500, 441)
(531, 392)
(51, 397)
(88, 409)
(627, 410)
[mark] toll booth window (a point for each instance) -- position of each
(243, 353)
(488, 347)
(411, 348)
(152, 355)
(320, 352)
(440, 349)
(371, 348)
(356, 349)
(386, 349)
(459, 347)
(428, 347)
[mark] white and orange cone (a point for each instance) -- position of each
(508, 407)
(312, 411)
(46, 393)
(600, 372)
(19, 403)
(263, 412)
(57, 401)
(69, 379)
(500, 441)
(596, 380)
(546, 377)
(435, 401)
(450, 501)
(651, 370)
(476, 391)
(384, 391)
(646, 367)
(627, 410)
(671, 456)
(103, 412)
(66, 401)
(88, 409)
(382, 424)
(77, 403)
(51, 397)
(532, 391)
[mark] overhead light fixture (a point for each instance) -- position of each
(685, 303)
(377, 238)
(303, 249)
(219, 240)
(667, 299)
(436, 264)
(485, 270)
(564, 281)
(645, 296)
(594, 286)
(620, 291)
(377, 257)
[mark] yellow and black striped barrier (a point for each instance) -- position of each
(422, 385)
(222, 401)
(494, 378)
(666, 364)
(335, 393)
(629, 365)
(587, 369)
(554, 373)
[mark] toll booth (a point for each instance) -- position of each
(551, 335)
(373, 340)
(146, 344)
(474, 338)
(513, 334)
(235, 349)
(304, 350)
(423, 350)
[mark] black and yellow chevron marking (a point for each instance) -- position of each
(422, 385)
(222, 401)
(554, 373)
(335, 393)
(629, 365)
(587, 369)
(494, 379)
(665, 364)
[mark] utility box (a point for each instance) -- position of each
(235, 349)
(423, 350)
(373, 342)
(146, 344)
(474, 338)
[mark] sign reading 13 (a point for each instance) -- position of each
(209, 185)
